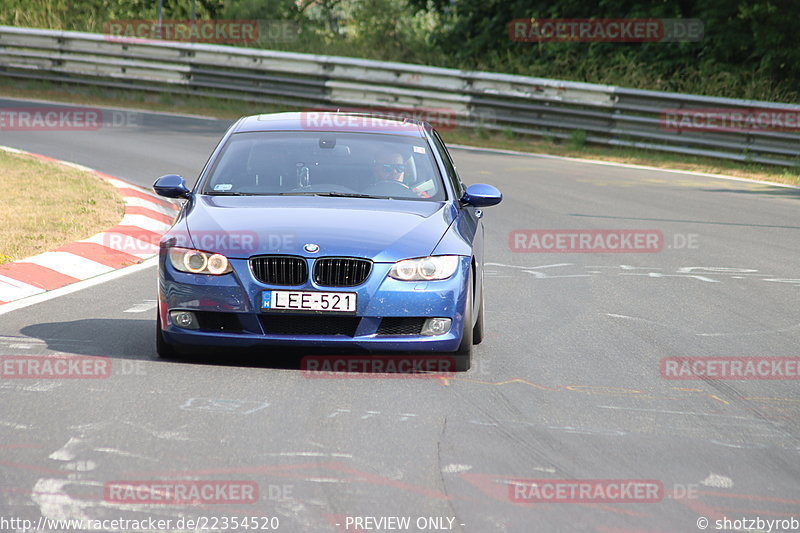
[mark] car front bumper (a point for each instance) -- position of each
(230, 305)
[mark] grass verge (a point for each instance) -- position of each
(507, 140)
(45, 205)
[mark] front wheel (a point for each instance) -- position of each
(463, 356)
(477, 331)
(164, 350)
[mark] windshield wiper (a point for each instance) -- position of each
(331, 193)
(349, 195)
(231, 193)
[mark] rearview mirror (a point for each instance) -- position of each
(482, 195)
(171, 186)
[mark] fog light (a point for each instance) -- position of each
(436, 326)
(184, 319)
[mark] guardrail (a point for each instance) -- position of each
(607, 114)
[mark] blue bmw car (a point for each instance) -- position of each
(326, 230)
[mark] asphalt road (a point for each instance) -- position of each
(566, 386)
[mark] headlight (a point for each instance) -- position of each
(425, 268)
(197, 262)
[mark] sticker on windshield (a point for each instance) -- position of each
(223, 187)
(419, 149)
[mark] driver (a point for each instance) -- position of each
(389, 165)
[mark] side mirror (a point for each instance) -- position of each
(482, 195)
(171, 186)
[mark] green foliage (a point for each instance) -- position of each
(749, 49)
(89, 15)
(577, 139)
(261, 10)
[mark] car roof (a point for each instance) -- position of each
(336, 121)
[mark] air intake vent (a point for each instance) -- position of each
(222, 322)
(341, 271)
(401, 326)
(279, 269)
(275, 324)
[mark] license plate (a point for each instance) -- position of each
(339, 302)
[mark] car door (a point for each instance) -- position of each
(468, 223)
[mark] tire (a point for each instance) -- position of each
(164, 350)
(463, 356)
(477, 331)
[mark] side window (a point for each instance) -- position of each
(452, 175)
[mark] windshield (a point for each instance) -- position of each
(326, 164)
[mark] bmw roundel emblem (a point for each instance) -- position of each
(311, 248)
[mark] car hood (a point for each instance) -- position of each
(381, 230)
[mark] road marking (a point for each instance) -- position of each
(738, 446)
(142, 221)
(80, 466)
(682, 272)
(782, 280)
(659, 275)
(717, 481)
(69, 264)
(124, 242)
(13, 425)
(455, 468)
(8, 339)
(307, 454)
(669, 412)
(363, 415)
(55, 503)
(123, 453)
(613, 315)
(222, 405)
(12, 289)
(75, 287)
(721, 270)
(542, 275)
(142, 307)
(40, 386)
(67, 452)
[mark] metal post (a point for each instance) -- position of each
(158, 22)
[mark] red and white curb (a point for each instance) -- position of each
(134, 239)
